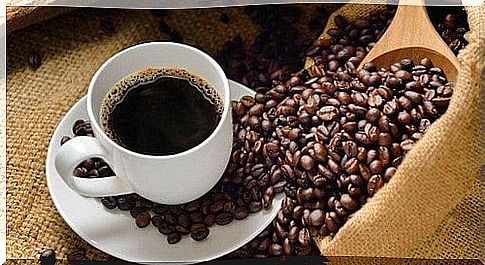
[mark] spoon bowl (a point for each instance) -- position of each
(412, 35)
(416, 54)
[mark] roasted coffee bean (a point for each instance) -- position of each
(279, 187)
(105, 171)
(89, 164)
(200, 234)
(157, 221)
(135, 211)
(330, 223)
(108, 202)
(196, 217)
(406, 145)
(304, 238)
(48, 257)
(307, 162)
(160, 208)
(263, 244)
(183, 220)
(287, 247)
(390, 171)
(142, 219)
(240, 213)
(93, 173)
(223, 218)
(166, 229)
(173, 238)
(375, 183)
(169, 218)
(316, 218)
(182, 230)
(424, 125)
(255, 206)
(125, 203)
(347, 202)
(275, 250)
(271, 150)
(76, 254)
(209, 220)
(376, 166)
(404, 117)
(81, 172)
(197, 226)
(217, 207)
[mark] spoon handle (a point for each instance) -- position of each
(411, 25)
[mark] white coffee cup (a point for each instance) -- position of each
(169, 179)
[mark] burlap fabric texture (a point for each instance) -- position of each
(432, 201)
(431, 208)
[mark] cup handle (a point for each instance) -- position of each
(78, 149)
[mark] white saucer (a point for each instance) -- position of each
(115, 232)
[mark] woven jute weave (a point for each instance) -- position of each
(430, 209)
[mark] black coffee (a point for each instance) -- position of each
(161, 111)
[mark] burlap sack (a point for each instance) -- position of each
(431, 208)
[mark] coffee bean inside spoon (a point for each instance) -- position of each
(412, 35)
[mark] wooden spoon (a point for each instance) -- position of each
(412, 35)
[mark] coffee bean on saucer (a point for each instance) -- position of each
(125, 203)
(209, 220)
(173, 238)
(200, 234)
(48, 257)
(223, 218)
(142, 219)
(157, 221)
(160, 208)
(197, 226)
(240, 213)
(81, 172)
(108, 202)
(182, 230)
(166, 229)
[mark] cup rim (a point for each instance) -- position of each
(218, 68)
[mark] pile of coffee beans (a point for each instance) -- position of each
(336, 137)
(277, 51)
(350, 42)
(451, 22)
(329, 140)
